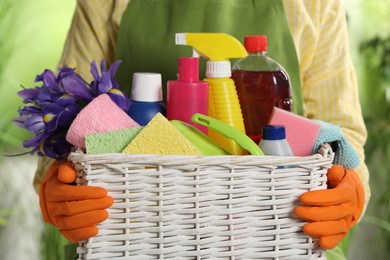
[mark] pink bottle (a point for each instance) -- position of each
(187, 95)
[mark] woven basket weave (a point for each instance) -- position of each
(195, 207)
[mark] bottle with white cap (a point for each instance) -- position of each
(218, 49)
(274, 141)
(146, 97)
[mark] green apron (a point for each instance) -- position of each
(146, 40)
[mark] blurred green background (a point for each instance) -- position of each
(32, 34)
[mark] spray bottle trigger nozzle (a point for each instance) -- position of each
(195, 53)
(180, 39)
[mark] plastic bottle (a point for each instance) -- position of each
(187, 95)
(224, 105)
(146, 97)
(261, 84)
(274, 141)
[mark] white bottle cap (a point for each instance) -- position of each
(218, 69)
(146, 87)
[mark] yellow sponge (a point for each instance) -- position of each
(159, 136)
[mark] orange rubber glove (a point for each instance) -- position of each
(331, 213)
(74, 210)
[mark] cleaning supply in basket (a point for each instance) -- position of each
(100, 115)
(301, 132)
(187, 95)
(229, 132)
(198, 138)
(159, 136)
(345, 154)
(224, 105)
(273, 141)
(110, 142)
(146, 97)
(261, 84)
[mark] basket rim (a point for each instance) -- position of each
(324, 153)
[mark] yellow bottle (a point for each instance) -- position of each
(224, 105)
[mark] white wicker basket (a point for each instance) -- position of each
(194, 207)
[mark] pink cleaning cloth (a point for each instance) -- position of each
(100, 115)
(301, 132)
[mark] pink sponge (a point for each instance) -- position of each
(301, 133)
(101, 115)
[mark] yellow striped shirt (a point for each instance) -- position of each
(320, 34)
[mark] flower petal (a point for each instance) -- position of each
(38, 78)
(44, 96)
(51, 125)
(77, 87)
(65, 100)
(69, 113)
(30, 110)
(51, 114)
(35, 124)
(36, 140)
(103, 66)
(119, 98)
(50, 81)
(65, 72)
(29, 95)
(94, 70)
(20, 121)
(56, 146)
(113, 68)
(105, 83)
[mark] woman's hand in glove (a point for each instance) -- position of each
(331, 213)
(74, 210)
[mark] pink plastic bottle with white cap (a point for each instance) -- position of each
(187, 95)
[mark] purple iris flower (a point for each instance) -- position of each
(49, 80)
(51, 108)
(65, 100)
(75, 86)
(20, 121)
(105, 83)
(45, 96)
(65, 72)
(29, 95)
(51, 114)
(30, 110)
(36, 141)
(35, 124)
(68, 114)
(56, 147)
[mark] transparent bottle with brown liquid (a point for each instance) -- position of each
(261, 84)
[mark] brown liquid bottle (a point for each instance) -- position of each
(261, 84)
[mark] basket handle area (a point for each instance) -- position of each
(326, 151)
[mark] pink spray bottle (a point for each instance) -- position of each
(187, 95)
